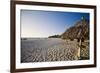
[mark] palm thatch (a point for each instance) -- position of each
(78, 31)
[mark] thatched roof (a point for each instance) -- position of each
(79, 30)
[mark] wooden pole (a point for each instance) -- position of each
(79, 49)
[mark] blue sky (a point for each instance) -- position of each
(35, 23)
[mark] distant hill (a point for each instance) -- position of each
(79, 30)
(55, 36)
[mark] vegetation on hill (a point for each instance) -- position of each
(55, 36)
